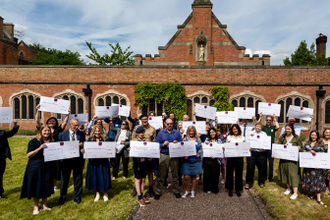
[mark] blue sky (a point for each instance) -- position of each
(274, 27)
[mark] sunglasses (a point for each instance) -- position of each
(169, 123)
(268, 120)
(123, 124)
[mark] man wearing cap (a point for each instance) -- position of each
(150, 136)
(164, 138)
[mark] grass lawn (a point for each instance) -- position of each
(119, 206)
(280, 206)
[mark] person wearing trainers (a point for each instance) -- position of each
(313, 179)
(139, 168)
(191, 166)
(98, 170)
(5, 153)
(288, 170)
(164, 138)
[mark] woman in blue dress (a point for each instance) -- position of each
(38, 183)
(98, 170)
(191, 166)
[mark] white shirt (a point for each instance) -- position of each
(233, 139)
(260, 133)
(122, 136)
(248, 127)
(75, 135)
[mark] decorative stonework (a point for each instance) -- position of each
(201, 48)
(202, 3)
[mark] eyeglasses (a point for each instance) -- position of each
(169, 123)
(123, 124)
(268, 120)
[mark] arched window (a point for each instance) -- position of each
(24, 104)
(77, 103)
(199, 97)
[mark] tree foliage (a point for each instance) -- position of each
(303, 56)
(221, 97)
(117, 57)
(52, 56)
(172, 95)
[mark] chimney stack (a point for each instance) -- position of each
(321, 43)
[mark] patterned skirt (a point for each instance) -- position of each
(326, 174)
(313, 180)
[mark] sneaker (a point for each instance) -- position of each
(287, 192)
(105, 197)
(142, 202)
(146, 200)
(294, 196)
(55, 188)
(185, 195)
(97, 198)
(192, 195)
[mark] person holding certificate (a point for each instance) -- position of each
(180, 129)
(234, 164)
(288, 170)
(191, 165)
(245, 127)
(37, 182)
(55, 129)
(135, 121)
(259, 158)
(93, 122)
(139, 168)
(313, 179)
(116, 124)
(124, 135)
(298, 129)
(98, 170)
(5, 153)
(164, 138)
(72, 164)
(211, 166)
(223, 134)
(326, 173)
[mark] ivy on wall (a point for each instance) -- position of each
(221, 97)
(173, 96)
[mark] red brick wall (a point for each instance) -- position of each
(28, 56)
(10, 54)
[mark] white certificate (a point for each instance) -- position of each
(61, 150)
(82, 118)
(104, 149)
(123, 109)
(182, 149)
(227, 117)
(6, 114)
(300, 112)
(199, 125)
(260, 141)
(144, 149)
(244, 112)
(317, 160)
(285, 151)
(238, 149)
(106, 111)
(204, 111)
(213, 150)
(269, 109)
(54, 105)
(156, 122)
(119, 146)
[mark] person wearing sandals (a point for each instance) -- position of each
(223, 134)
(288, 170)
(191, 166)
(259, 158)
(139, 168)
(211, 166)
(326, 173)
(98, 170)
(37, 182)
(313, 179)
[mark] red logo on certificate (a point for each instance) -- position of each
(55, 100)
(107, 107)
(244, 108)
(285, 146)
(182, 143)
(194, 122)
(100, 143)
(75, 115)
(61, 143)
(258, 136)
(145, 143)
(150, 118)
(205, 106)
(121, 106)
(236, 144)
(269, 104)
(314, 154)
(301, 108)
(211, 145)
(226, 112)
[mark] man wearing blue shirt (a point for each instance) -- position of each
(297, 129)
(164, 138)
(116, 124)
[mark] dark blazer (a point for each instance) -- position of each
(127, 141)
(4, 146)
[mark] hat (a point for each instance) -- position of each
(143, 115)
(139, 129)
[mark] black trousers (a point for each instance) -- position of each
(259, 159)
(2, 171)
(234, 164)
(211, 175)
(116, 163)
(67, 166)
(270, 164)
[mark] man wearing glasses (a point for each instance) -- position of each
(164, 138)
(270, 130)
(297, 128)
(150, 136)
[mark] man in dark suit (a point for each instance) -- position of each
(75, 164)
(5, 153)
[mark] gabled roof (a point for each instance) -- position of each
(33, 51)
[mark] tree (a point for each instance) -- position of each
(221, 96)
(303, 56)
(51, 56)
(117, 57)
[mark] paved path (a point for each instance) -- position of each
(204, 206)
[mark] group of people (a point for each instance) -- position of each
(40, 178)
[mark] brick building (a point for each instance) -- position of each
(22, 86)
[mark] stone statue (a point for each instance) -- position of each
(201, 53)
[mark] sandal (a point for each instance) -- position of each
(310, 197)
(247, 186)
(321, 203)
